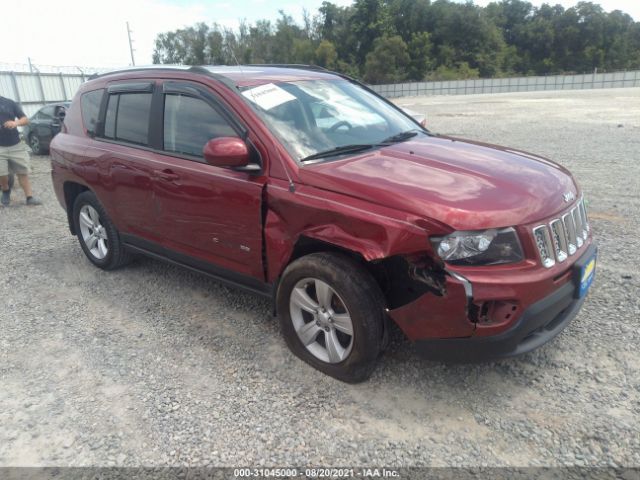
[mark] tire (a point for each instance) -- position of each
(97, 235)
(36, 145)
(351, 294)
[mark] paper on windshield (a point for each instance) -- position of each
(268, 96)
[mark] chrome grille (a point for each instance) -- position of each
(563, 236)
(583, 211)
(570, 229)
(577, 225)
(559, 239)
(543, 241)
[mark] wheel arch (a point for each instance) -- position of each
(306, 245)
(401, 279)
(71, 192)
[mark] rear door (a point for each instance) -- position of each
(209, 213)
(124, 159)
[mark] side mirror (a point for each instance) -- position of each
(226, 152)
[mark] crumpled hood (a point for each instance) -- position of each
(466, 185)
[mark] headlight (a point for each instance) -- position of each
(486, 247)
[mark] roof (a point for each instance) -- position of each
(241, 75)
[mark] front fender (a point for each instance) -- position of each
(372, 231)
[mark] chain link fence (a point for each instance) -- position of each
(33, 90)
(512, 84)
(37, 85)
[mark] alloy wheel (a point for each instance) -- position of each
(321, 320)
(94, 234)
(35, 144)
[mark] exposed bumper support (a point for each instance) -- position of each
(468, 288)
(540, 323)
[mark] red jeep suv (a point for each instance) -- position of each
(306, 187)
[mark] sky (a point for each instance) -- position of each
(94, 34)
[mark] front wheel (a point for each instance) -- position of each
(97, 235)
(36, 146)
(331, 315)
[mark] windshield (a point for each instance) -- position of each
(315, 116)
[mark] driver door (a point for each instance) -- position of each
(210, 214)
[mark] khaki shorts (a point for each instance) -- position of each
(14, 159)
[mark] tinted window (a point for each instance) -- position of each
(90, 106)
(132, 123)
(110, 117)
(189, 123)
(127, 117)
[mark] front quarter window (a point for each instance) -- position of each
(313, 116)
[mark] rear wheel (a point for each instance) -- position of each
(96, 233)
(331, 315)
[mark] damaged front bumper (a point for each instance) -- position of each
(494, 319)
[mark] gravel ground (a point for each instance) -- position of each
(155, 365)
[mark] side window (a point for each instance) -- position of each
(46, 113)
(189, 123)
(127, 117)
(90, 107)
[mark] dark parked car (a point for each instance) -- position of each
(306, 187)
(43, 126)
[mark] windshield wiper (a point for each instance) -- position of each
(400, 137)
(358, 147)
(339, 150)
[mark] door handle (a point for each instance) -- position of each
(167, 175)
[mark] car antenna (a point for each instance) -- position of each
(292, 186)
(235, 59)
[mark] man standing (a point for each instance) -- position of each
(13, 154)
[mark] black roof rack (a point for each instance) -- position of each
(139, 69)
(299, 66)
(160, 67)
(203, 69)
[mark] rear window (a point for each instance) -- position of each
(90, 106)
(127, 118)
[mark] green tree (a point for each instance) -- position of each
(460, 71)
(370, 21)
(388, 61)
(420, 60)
(384, 40)
(261, 42)
(284, 38)
(326, 55)
(303, 51)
